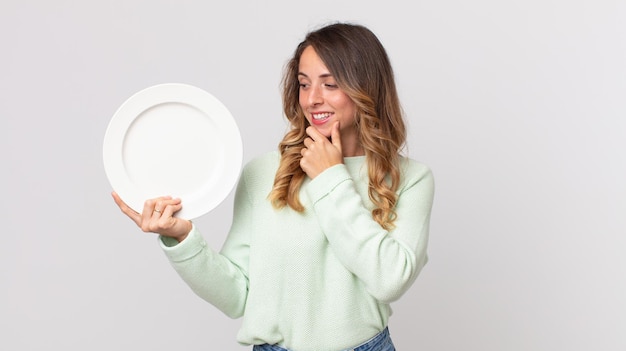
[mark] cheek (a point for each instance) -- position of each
(342, 101)
(347, 107)
(302, 101)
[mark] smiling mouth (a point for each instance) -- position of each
(320, 116)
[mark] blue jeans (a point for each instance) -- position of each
(380, 342)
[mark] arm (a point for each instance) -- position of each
(387, 262)
(219, 278)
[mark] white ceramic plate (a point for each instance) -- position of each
(173, 139)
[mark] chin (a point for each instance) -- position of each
(324, 130)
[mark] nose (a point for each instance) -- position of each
(315, 96)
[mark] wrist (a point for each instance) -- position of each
(187, 227)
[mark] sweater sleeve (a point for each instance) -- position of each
(387, 262)
(220, 278)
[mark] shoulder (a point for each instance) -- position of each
(259, 172)
(414, 172)
(262, 162)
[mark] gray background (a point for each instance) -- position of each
(518, 107)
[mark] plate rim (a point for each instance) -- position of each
(149, 97)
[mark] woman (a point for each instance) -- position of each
(328, 230)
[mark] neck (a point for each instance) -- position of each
(352, 150)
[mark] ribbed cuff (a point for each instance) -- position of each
(192, 245)
(327, 181)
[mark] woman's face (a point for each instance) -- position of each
(323, 103)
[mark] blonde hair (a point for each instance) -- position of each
(361, 68)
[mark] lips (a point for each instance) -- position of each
(320, 118)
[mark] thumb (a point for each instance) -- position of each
(335, 136)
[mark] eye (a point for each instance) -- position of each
(303, 85)
(331, 86)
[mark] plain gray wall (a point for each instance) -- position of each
(519, 107)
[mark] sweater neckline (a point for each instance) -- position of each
(354, 160)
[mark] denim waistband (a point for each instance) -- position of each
(376, 343)
(371, 345)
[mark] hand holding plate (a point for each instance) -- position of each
(158, 216)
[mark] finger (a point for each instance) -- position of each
(164, 204)
(156, 214)
(308, 142)
(336, 136)
(314, 133)
(171, 209)
(132, 214)
(149, 212)
(146, 214)
(166, 221)
(119, 202)
(161, 204)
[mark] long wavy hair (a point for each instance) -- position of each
(360, 65)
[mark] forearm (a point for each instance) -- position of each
(212, 276)
(386, 262)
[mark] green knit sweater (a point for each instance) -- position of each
(318, 280)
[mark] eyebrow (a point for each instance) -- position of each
(325, 75)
